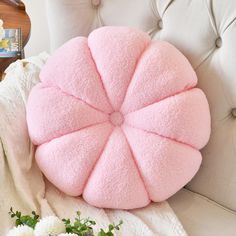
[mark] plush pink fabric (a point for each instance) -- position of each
(117, 119)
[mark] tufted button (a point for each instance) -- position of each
(218, 42)
(233, 112)
(116, 118)
(95, 3)
(160, 24)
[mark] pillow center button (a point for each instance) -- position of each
(116, 118)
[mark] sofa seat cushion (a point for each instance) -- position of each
(201, 216)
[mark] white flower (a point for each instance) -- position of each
(68, 234)
(21, 230)
(50, 225)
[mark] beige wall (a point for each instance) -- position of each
(39, 39)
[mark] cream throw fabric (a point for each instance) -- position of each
(22, 184)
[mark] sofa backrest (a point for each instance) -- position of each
(205, 31)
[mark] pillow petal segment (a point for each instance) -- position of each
(57, 113)
(116, 53)
(165, 165)
(78, 154)
(115, 181)
(162, 71)
(177, 117)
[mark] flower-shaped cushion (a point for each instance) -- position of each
(117, 119)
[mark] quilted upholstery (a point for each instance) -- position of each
(117, 119)
(205, 32)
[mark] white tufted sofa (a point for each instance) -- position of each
(205, 31)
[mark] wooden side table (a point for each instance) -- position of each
(13, 14)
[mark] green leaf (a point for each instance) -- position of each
(101, 233)
(111, 227)
(28, 220)
(109, 234)
(18, 222)
(80, 227)
(92, 222)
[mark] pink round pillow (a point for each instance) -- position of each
(117, 119)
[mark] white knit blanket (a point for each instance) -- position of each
(22, 185)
